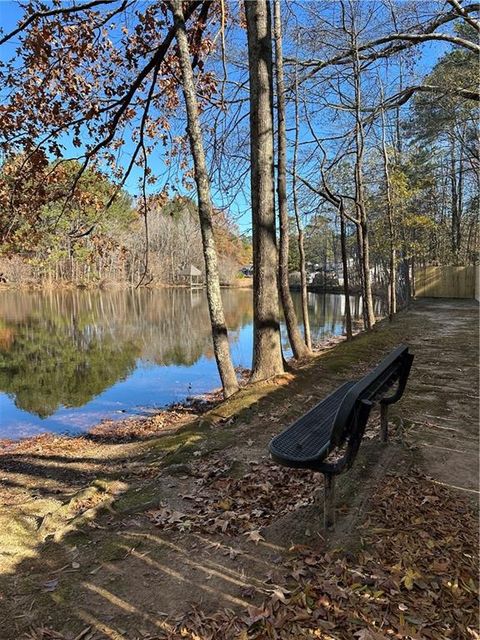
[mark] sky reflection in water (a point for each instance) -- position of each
(70, 359)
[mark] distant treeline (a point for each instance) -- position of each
(93, 240)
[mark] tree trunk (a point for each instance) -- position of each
(346, 287)
(215, 306)
(299, 347)
(267, 353)
(460, 203)
(304, 290)
(412, 279)
(300, 235)
(365, 254)
(392, 297)
(361, 272)
(454, 196)
(359, 187)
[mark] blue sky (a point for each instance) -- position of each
(10, 13)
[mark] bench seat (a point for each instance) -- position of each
(307, 440)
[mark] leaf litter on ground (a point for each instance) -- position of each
(413, 575)
(413, 578)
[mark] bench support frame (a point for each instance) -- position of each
(332, 469)
(329, 502)
(384, 421)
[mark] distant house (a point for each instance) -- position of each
(193, 276)
(247, 271)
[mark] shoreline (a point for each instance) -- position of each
(156, 424)
(110, 286)
(123, 431)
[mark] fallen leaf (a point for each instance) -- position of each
(409, 578)
(254, 535)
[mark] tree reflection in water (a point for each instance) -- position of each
(106, 352)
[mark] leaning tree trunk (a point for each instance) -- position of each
(267, 353)
(215, 306)
(299, 347)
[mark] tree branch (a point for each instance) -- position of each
(53, 12)
(461, 11)
(403, 96)
(407, 40)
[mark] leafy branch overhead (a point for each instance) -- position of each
(97, 78)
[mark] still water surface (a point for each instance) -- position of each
(70, 359)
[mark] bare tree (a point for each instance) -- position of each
(392, 293)
(217, 317)
(298, 222)
(399, 41)
(337, 200)
(362, 227)
(299, 347)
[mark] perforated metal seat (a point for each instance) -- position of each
(308, 438)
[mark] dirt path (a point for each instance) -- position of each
(120, 540)
(442, 403)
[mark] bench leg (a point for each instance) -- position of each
(384, 422)
(329, 502)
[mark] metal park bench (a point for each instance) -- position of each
(335, 426)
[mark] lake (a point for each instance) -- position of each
(68, 359)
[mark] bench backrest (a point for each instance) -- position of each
(371, 388)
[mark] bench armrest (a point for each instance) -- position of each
(353, 443)
(402, 381)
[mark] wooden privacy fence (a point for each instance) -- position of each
(445, 282)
